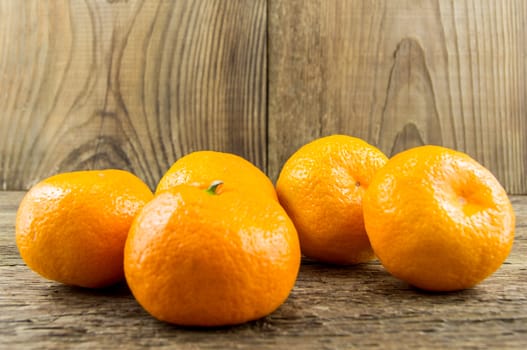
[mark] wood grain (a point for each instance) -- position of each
(329, 308)
(128, 84)
(401, 74)
(136, 84)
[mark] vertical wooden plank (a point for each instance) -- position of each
(128, 84)
(401, 74)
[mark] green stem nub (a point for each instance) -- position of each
(213, 187)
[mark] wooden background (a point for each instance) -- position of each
(136, 84)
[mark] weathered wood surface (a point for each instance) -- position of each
(136, 84)
(329, 308)
(401, 74)
(128, 84)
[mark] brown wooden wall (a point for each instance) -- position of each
(135, 84)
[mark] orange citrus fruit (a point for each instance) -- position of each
(321, 187)
(72, 227)
(437, 219)
(211, 257)
(203, 167)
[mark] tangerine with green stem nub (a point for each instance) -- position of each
(211, 257)
(202, 167)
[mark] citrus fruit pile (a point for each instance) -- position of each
(218, 244)
(434, 217)
(212, 247)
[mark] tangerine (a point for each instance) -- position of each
(72, 227)
(211, 257)
(203, 167)
(321, 187)
(438, 219)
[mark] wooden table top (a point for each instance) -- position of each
(330, 307)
